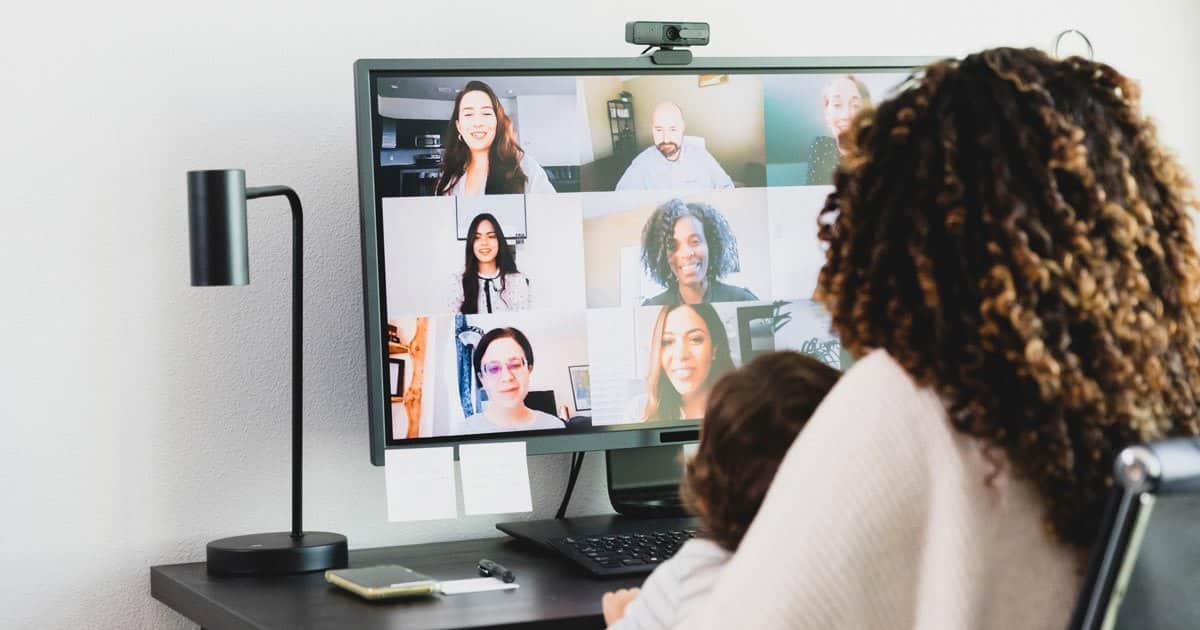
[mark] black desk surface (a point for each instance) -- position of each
(553, 593)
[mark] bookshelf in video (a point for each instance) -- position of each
(581, 251)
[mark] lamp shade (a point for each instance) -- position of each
(217, 227)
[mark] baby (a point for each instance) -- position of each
(753, 415)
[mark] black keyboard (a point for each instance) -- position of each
(621, 554)
(609, 544)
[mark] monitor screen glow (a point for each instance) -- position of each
(611, 240)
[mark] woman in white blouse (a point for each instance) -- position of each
(482, 155)
(490, 282)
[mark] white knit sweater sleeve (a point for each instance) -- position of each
(675, 588)
(880, 517)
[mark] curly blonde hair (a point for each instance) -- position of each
(1010, 230)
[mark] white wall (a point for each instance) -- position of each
(549, 128)
(143, 417)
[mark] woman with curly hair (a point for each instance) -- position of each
(482, 154)
(1010, 254)
(687, 247)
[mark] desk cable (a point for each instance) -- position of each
(576, 465)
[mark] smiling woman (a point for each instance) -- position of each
(687, 247)
(490, 281)
(842, 97)
(689, 350)
(482, 154)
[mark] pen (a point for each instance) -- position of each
(495, 569)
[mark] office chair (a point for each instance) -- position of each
(1145, 568)
(542, 400)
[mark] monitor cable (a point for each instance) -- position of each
(576, 465)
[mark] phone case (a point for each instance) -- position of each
(383, 582)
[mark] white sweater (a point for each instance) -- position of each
(881, 517)
(676, 587)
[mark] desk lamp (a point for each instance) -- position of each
(217, 231)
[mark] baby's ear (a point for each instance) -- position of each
(700, 507)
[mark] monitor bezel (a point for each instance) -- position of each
(374, 314)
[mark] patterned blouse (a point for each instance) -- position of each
(492, 299)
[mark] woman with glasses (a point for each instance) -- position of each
(503, 361)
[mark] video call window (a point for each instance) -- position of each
(561, 253)
(804, 117)
(462, 136)
(678, 134)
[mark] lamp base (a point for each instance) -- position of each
(277, 553)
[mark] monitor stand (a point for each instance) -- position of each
(644, 482)
(643, 487)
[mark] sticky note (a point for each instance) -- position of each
(474, 585)
(495, 478)
(420, 484)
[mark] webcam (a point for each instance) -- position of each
(666, 36)
(667, 33)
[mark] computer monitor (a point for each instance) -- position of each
(536, 232)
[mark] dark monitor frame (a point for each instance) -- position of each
(538, 442)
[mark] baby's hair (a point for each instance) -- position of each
(754, 413)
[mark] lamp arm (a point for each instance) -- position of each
(297, 337)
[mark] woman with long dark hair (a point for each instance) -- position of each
(490, 281)
(481, 152)
(689, 350)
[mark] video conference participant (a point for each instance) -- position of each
(503, 363)
(843, 96)
(689, 350)
(481, 151)
(687, 247)
(490, 282)
(675, 162)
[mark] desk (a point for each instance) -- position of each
(553, 593)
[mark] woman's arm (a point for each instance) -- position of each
(517, 293)
(455, 301)
(537, 182)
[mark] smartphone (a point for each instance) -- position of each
(383, 582)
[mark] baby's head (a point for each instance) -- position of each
(754, 413)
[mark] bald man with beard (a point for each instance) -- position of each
(676, 162)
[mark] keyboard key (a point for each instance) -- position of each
(632, 561)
